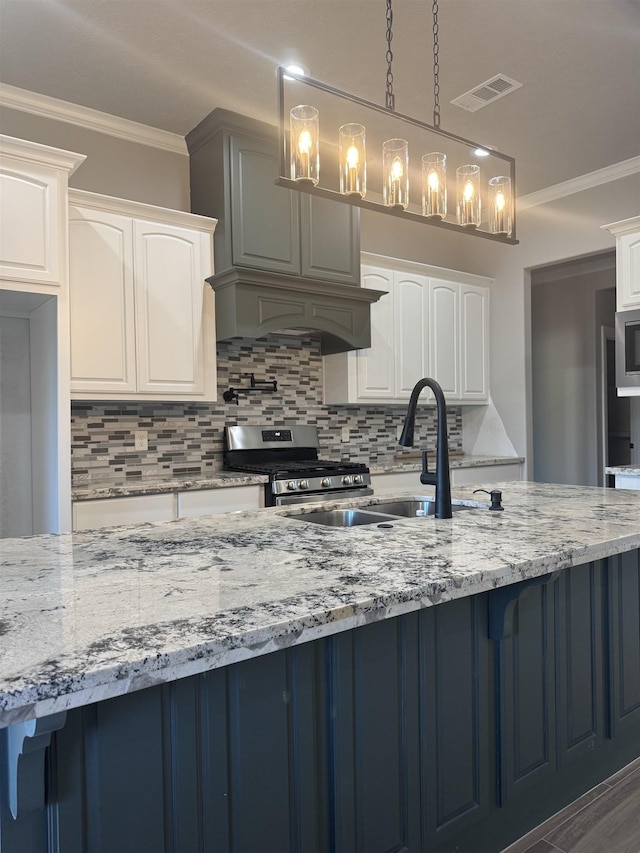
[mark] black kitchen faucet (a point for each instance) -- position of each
(440, 478)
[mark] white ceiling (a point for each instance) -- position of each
(168, 63)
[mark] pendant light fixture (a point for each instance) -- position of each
(338, 146)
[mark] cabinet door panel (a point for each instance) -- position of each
(625, 641)
(102, 314)
(375, 364)
(527, 721)
(456, 752)
(474, 343)
(374, 738)
(266, 222)
(170, 296)
(581, 713)
(411, 295)
(29, 223)
(628, 260)
(443, 337)
(329, 240)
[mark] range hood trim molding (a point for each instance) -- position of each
(252, 304)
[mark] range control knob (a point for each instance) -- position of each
(357, 479)
(303, 484)
(325, 482)
(292, 485)
(347, 480)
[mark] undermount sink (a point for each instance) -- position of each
(345, 517)
(382, 513)
(415, 508)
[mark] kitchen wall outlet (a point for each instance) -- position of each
(141, 439)
(345, 434)
(399, 432)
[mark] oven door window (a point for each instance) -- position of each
(632, 347)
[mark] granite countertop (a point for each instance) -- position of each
(121, 486)
(87, 616)
(626, 470)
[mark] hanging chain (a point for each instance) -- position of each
(390, 97)
(436, 67)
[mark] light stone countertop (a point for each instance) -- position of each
(119, 486)
(92, 615)
(626, 470)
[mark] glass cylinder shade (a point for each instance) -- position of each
(353, 162)
(500, 205)
(395, 172)
(468, 196)
(304, 139)
(434, 185)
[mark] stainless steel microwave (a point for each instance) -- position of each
(628, 349)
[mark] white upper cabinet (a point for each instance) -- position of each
(142, 315)
(375, 380)
(433, 322)
(627, 234)
(33, 211)
(474, 343)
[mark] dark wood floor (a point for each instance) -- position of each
(604, 820)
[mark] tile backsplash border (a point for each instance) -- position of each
(185, 440)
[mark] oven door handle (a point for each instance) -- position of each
(322, 497)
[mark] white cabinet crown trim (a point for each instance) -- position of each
(42, 155)
(139, 209)
(402, 265)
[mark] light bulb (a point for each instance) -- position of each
(304, 142)
(397, 169)
(468, 191)
(353, 158)
(500, 201)
(434, 183)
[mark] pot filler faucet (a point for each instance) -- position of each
(440, 477)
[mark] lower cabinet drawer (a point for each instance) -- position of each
(212, 501)
(109, 512)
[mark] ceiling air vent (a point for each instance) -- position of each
(486, 93)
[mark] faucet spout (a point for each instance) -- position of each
(441, 478)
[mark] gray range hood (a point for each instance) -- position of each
(251, 304)
(284, 260)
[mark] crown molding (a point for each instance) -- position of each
(122, 128)
(97, 201)
(584, 182)
(34, 152)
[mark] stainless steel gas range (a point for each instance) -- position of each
(289, 457)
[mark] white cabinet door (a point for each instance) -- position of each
(169, 294)
(628, 270)
(101, 300)
(486, 474)
(444, 349)
(107, 512)
(214, 501)
(29, 222)
(411, 348)
(627, 234)
(375, 365)
(142, 315)
(474, 343)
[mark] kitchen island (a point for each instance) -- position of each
(257, 682)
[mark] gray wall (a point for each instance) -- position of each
(113, 166)
(565, 360)
(561, 230)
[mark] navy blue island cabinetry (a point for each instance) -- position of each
(452, 728)
(254, 683)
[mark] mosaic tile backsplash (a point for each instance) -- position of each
(186, 439)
